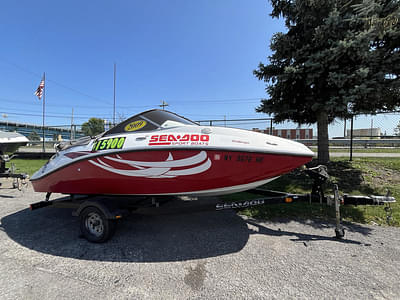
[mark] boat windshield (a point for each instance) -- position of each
(149, 121)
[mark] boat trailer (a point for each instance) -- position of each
(98, 214)
(18, 179)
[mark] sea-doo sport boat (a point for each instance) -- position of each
(161, 153)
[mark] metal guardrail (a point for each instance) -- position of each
(360, 142)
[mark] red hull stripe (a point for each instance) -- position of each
(205, 170)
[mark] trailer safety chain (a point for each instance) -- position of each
(18, 183)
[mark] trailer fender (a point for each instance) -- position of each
(110, 210)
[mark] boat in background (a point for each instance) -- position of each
(10, 142)
(161, 153)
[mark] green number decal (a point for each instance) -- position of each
(113, 143)
(121, 143)
(103, 144)
(109, 143)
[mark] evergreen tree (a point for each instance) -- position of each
(337, 58)
(93, 127)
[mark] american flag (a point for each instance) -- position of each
(39, 90)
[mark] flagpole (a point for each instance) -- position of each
(115, 71)
(44, 100)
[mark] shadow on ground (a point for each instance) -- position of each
(160, 238)
(349, 180)
(303, 237)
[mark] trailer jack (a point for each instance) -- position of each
(319, 175)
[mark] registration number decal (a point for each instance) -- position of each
(111, 143)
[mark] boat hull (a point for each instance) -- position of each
(10, 142)
(10, 148)
(167, 172)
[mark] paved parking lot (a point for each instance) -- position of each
(198, 255)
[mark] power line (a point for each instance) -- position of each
(173, 102)
(12, 110)
(18, 101)
(191, 102)
(223, 100)
(53, 81)
(50, 116)
(32, 115)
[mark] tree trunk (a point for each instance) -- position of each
(323, 138)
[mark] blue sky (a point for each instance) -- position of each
(198, 56)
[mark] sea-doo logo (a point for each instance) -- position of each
(243, 204)
(174, 139)
(136, 125)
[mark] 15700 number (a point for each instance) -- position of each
(112, 143)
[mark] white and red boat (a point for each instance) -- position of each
(161, 153)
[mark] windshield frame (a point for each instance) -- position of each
(151, 122)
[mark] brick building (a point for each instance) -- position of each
(293, 134)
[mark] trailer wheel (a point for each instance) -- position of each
(94, 225)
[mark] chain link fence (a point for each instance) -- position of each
(380, 131)
(37, 132)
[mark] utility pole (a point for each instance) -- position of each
(72, 136)
(372, 126)
(163, 104)
(351, 137)
(271, 128)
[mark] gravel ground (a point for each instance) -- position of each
(197, 255)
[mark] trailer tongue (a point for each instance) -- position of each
(98, 214)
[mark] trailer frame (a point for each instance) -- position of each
(98, 213)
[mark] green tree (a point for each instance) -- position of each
(338, 58)
(34, 136)
(93, 127)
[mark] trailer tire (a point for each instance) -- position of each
(94, 225)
